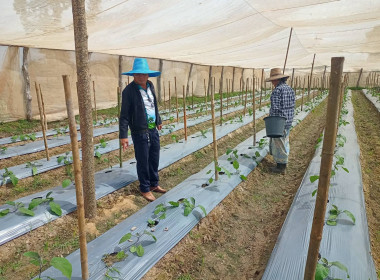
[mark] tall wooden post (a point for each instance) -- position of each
(164, 96)
(42, 122)
(233, 79)
(176, 98)
(227, 92)
(43, 107)
(311, 78)
(184, 112)
(25, 74)
(287, 50)
(254, 111)
(261, 87)
(214, 144)
(188, 79)
(221, 105)
(170, 107)
(291, 83)
(204, 82)
(302, 92)
(326, 166)
(324, 79)
(159, 80)
(95, 111)
(360, 75)
(245, 99)
(85, 108)
(78, 178)
(192, 95)
(118, 114)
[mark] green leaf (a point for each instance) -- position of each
(34, 203)
(133, 249)
(34, 170)
(60, 158)
(236, 164)
(349, 214)
(4, 212)
(203, 210)
(56, 208)
(66, 183)
(140, 250)
(48, 194)
(12, 203)
(345, 169)
(14, 179)
(98, 154)
(208, 172)
(187, 211)
(314, 178)
(63, 265)
(331, 223)
(33, 255)
(163, 216)
(334, 212)
(151, 235)
(341, 267)
(333, 173)
(125, 238)
(120, 255)
(314, 192)
(210, 180)
(321, 272)
(257, 154)
(26, 211)
(192, 199)
(228, 151)
(243, 178)
(174, 203)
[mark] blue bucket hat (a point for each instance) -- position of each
(140, 66)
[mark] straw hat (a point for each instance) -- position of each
(140, 66)
(275, 74)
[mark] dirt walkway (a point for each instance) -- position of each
(236, 239)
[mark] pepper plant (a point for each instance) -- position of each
(323, 269)
(335, 212)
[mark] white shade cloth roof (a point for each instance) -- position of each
(242, 33)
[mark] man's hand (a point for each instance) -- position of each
(159, 127)
(124, 143)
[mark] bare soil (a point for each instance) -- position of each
(367, 124)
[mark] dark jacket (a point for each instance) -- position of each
(133, 114)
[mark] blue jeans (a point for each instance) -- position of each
(147, 153)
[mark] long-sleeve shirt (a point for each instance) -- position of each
(282, 103)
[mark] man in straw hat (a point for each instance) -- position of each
(282, 104)
(139, 112)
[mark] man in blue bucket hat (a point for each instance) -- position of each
(282, 104)
(139, 113)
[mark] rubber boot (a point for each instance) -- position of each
(279, 169)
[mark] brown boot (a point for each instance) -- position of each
(148, 196)
(158, 189)
(279, 169)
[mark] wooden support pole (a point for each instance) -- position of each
(192, 95)
(25, 74)
(311, 78)
(96, 112)
(227, 92)
(204, 83)
(287, 50)
(78, 178)
(159, 81)
(233, 79)
(164, 97)
(326, 166)
(291, 83)
(302, 92)
(214, 144)
(43, 107)
(245, 99)
(170, 107)
(221, 103)
(261, 87)
(118, 114)
(184, 112)
(176, 98)
(324, 79)
(42, 121)
(254, 111)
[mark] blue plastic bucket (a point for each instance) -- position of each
(275, 126)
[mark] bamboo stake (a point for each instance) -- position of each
(78, 178)
(192, 95)
(254, 111)
(287, 50)
(184, 112)
(214, 144)
(96, 113)
(118, 113)
(324, 79)
(245, 100)
(326, 166)
(170, 107)
(227, 92)
(302, 92)
(42, 121)
(43, 107)
(164, 97)
(261, 90)
(204, 82)
(221, 103)
(311, 78)
(291, 83)
(176, 97)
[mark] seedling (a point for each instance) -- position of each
(11, 176)
(262, 143)
(66, 159)
(335, 212)
(175, 138)
(203, 132)
(62, 264)
(3, 150)
(33, 166)
(323, 269)
(134, 248)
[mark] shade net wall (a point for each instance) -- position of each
(244, 34)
